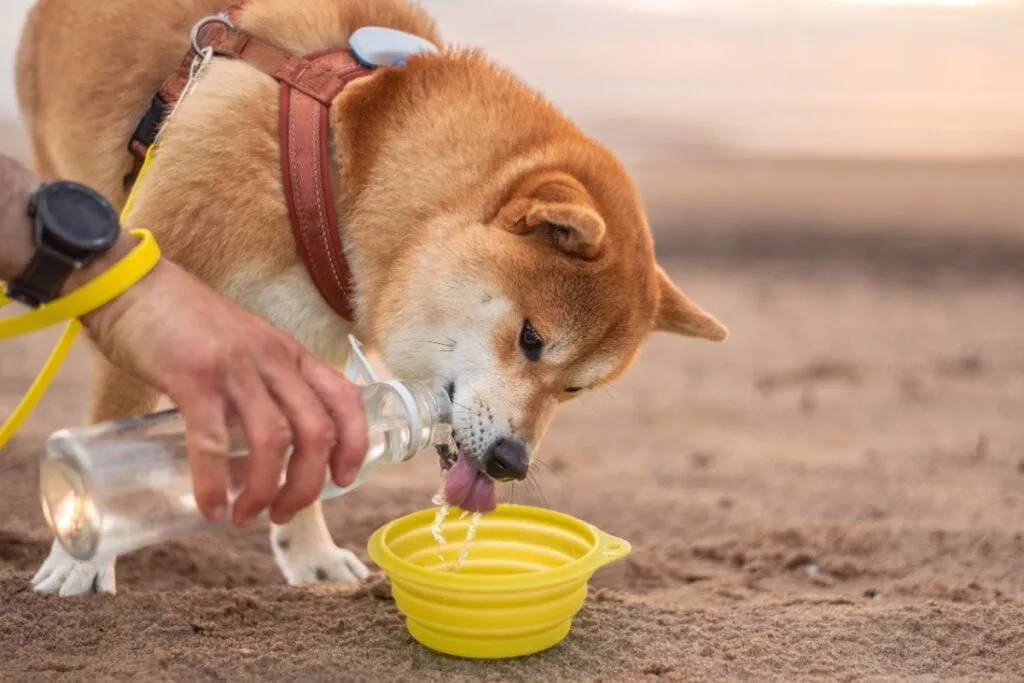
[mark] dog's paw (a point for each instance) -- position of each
(315, 562)
(68, 577)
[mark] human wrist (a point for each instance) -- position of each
(18, 231)
(16, 238)
(100, 322)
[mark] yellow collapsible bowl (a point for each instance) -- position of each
(516, 592)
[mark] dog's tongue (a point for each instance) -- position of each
(468, 488)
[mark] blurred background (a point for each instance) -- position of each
(866, 119)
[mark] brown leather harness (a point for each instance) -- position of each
(308, 85)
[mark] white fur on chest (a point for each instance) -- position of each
(292, 304)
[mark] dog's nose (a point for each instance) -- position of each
(507, 460)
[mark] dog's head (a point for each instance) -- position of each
(547, 300)
(527, 286)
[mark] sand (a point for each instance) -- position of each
(835, 493)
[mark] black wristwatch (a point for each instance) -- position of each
(74, 225)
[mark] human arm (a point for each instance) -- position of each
(215, 361)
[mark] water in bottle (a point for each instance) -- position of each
(115, 487)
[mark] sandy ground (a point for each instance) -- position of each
(837, 492)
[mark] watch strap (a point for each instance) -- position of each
(42, 279)
(55, 258)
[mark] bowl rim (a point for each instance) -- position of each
(604, 550)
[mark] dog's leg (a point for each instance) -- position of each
(117, 394)
(306, 553)
(303, 548)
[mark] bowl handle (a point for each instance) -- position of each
(611, 548)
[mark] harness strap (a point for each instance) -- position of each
(306, 172)
(308, 85)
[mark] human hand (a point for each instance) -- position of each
(216, 360)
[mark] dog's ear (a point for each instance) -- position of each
(679, 315)
(556, 206)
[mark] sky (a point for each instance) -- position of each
(831, 77)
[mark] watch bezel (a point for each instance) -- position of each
(59, 239)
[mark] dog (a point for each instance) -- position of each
(491, 244)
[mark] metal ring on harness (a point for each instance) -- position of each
(203, 23)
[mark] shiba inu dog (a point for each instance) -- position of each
(489, 242)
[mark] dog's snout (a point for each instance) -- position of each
(507, 460)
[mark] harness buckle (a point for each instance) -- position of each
(148, 126)
(145, 135)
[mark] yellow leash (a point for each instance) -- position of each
(102, 289)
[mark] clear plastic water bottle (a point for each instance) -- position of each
(112, 488)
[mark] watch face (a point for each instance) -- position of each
(77, 219)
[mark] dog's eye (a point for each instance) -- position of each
(573, 390)
(530, 341)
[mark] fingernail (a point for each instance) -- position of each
(239, 518)
(348, 476)
(280, 519)
(219, 512)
